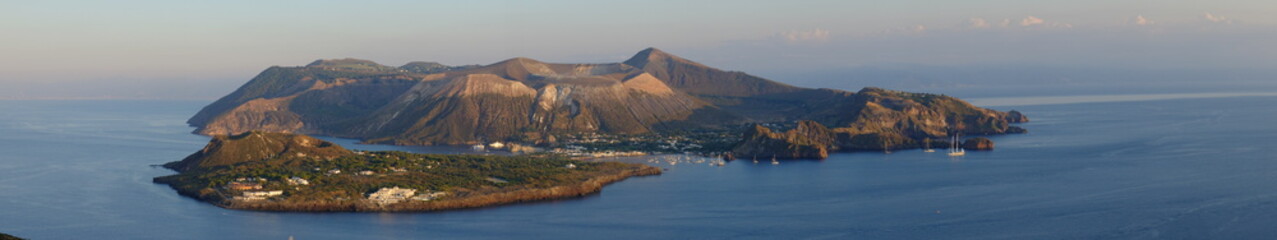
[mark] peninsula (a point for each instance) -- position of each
(291, 172)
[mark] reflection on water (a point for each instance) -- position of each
(1200, 169)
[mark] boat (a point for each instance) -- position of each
(774, 162)
(954, 150)
(928, 149)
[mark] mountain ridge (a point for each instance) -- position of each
(526, 100)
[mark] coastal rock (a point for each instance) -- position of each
(1016, 130)
(1016, 117)
(809, 141)
(978, 144)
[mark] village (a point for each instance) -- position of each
(595, 145)
(251, 189)
(261, 188)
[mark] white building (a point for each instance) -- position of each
(258, 195)
(298, 181)
(391, 195)
(430, 196)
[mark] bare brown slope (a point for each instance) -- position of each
(304, 99)
(524, 100)
(698, 79)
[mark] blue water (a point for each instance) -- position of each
(1167, 168)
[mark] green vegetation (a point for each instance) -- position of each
(292, 172)
(389, 169)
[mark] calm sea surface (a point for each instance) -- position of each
(1161, 168)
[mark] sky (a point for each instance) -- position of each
(205, 49)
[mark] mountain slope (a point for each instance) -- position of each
(698, 79)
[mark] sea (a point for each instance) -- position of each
(1163, 166)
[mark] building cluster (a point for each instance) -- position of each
(604, 145)
(392, 195)
(512, 147)
(258, 195)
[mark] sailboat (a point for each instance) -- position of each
(928, 146)
(954, 150)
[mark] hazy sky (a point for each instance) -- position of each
(204, 49)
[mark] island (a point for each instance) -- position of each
(292, 172)
(652, 102)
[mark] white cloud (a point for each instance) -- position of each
(1030, 21)
(1216, 19)
(1006, 22)
(977, 23)
(1142, 21)
(814, 35)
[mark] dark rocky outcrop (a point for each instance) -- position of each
(1016, 117)
(978, 144)
(8, 237)
(1015, 129)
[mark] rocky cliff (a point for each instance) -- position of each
(809, 140)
